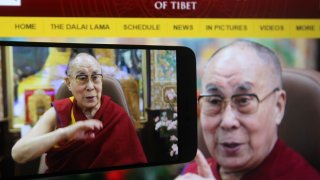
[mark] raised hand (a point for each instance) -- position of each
(204, 170)
(82, 129)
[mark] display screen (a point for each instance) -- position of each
(146, 111)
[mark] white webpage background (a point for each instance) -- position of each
(10, 2)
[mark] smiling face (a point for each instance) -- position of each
(239, 142)
(87, 94)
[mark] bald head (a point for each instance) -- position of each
(79, 59)
(264, 54)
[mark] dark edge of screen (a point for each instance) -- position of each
(186, 98)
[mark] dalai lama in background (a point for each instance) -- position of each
(242, 103)
(85, 131)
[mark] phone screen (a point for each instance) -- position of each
(153, 87)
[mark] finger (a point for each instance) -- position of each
(84, 135)
(90, 135)
(91, 124)
(96, 124)
(204, 168)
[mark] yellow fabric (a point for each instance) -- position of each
(73, 120)
(58, 56)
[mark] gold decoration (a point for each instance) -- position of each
(38, 103)
(131, 91)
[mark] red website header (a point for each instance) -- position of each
(165, 8)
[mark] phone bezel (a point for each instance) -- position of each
(186, 100)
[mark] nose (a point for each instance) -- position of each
(229, 119)
(90, 85)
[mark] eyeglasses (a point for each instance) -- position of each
(212, 104)
(83, 79)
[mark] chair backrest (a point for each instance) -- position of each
(300, 127)
(110, 87)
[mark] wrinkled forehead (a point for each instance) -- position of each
(84, 63)
(236, 69)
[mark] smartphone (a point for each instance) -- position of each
(154, 85)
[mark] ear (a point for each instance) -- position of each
(67, 81)
(280, 106)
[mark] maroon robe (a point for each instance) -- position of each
(115, 144)
(282, 163)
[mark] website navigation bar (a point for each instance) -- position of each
(158, 27)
